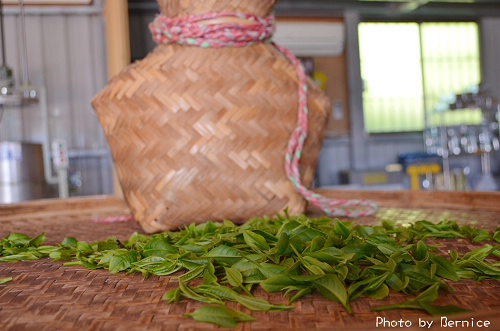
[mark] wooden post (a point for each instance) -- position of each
(117, 48)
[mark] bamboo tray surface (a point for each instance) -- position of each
(45, 295)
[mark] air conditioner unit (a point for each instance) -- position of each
(311, 38)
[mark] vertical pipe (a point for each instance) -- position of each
(24, 46)
(358, 136)
(47, 166)
(2, 33)
(422, 74)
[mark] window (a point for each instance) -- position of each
(409, 70)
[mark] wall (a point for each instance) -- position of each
(66, 55)
(490, 44)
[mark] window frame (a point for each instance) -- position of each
(360, 139)
(419, 23)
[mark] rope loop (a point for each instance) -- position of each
(191, 30)
(197, 30)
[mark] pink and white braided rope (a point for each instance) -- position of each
(188, 30)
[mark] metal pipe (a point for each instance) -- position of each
(2, 33)
(49, 178)
(24, 44)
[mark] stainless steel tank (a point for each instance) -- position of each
(21, 171)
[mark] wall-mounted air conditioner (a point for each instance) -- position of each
(311, 38)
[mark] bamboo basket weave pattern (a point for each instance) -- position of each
(45, 295)
(201, 133)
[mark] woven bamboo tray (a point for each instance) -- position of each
(45, 295)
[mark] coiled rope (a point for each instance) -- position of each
(195, 30)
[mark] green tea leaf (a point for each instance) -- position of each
(189, 293)
(166, 268)
(496, 235)
(341, 229)
(300, 294)
(268, 237)
(69, 242)
(37, 241)
(173, 295)
(255, 241)
(395, 282)
(480, 253)
(251, 303)
(322, 266)
(375, 239)
(481, 267)
(388, 224)
(481, 235)
(370, 283)
(19, 257)
(303, 234)
(192, 274)
(268, 269)
(89, 265)
(209, 275)
(419, 278)
(106, 245)
(317, 244)
(225, 255)
(122, 261)
(251, 276)
(329, 255)
(332, 288)
(445, 269)
(158, 252)
(235, 278)
(279, 283)
(219, 315)
(281, 245)
(429, 295)
(84, 248)
(379, 293)
(438, 310)
(453, 255)
(17, 239)
(421, 251)
(5, 280)
(46, 250)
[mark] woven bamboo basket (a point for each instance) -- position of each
(201, 133)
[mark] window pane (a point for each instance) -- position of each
(451, 65)
(401, 89)
(392, 78)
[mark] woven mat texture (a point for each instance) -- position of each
(45, 295)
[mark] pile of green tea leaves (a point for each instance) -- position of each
(295, 255)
